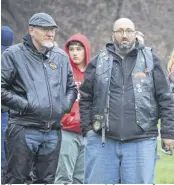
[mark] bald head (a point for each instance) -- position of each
(122, 23)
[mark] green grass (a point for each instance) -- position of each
(164, 168)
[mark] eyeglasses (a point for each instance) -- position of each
(47, 29)
(121, 32)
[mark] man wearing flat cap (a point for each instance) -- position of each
(37, 85)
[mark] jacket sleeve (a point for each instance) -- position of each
(8, 72)
(71, 92)
(165, 99)
(86, 97)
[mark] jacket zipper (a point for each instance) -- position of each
(49, 93)
(60, 71)
(123, 91)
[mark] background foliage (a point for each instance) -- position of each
(94, 18)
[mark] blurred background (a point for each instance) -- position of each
(94, 18)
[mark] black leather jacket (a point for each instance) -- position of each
(38, 88)
(134, 100)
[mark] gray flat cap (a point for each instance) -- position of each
(43, 20)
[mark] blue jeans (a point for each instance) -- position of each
(125, 162)
(29, 147)
(4, 119)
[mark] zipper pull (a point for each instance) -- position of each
(48, 126)
(45, 65)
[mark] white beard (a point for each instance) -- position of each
(48, 44)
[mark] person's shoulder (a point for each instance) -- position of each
(60, 51)
(150, 50)
(13, 49)
(101, 53)
(156, 58)
(157, 61)
(93, 61)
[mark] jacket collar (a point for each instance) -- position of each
(111, 48)
(28, 42)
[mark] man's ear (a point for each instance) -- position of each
(30, 30)
(112, 36)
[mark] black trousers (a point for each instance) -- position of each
(27, 147)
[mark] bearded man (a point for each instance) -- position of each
(125, 91)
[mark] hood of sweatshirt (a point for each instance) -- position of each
(85, 42)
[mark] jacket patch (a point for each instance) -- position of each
(53, 66)
(97, 125)
(140, 75)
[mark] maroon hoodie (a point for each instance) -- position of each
(71, 121)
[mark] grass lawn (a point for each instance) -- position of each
(164, 168)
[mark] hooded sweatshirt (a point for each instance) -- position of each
(7, 37)
(71, 121)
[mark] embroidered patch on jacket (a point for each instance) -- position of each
(140, 75)
(53, 66)
(96, 125)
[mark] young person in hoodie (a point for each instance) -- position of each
(71, 160)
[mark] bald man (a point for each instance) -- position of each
(124, 93)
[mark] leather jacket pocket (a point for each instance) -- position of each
(12, 131)
(33, 105)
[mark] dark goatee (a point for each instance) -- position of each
(124, 49)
